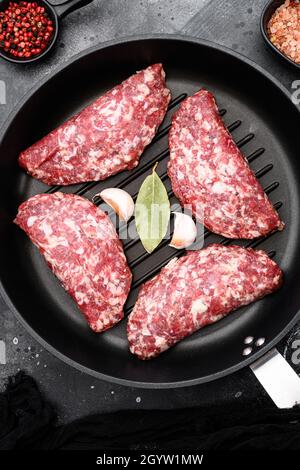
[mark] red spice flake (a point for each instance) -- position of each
(19, 24)
(284, 29)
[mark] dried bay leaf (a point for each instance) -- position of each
(152, 211)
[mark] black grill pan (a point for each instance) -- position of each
(265, 125)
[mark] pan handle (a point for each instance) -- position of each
(278, 379)
(66, 7)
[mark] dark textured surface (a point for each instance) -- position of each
(232, 23)
(235, 24)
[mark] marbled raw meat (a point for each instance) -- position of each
(196, 290)
(209, 173)
(105, 138)
(81, 246)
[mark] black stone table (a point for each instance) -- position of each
(231, 23)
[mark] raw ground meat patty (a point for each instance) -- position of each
(210, 174)
(196, 290)
(82, 248)
(106, 137)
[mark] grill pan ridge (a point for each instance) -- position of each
(269, 155)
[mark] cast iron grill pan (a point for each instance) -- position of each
(263, 122)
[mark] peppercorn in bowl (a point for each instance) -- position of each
(28, 30)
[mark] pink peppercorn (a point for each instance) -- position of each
(19, 24)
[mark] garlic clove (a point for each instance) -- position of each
(185, 231)
(120, 201)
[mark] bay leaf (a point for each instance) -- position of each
(152, 211)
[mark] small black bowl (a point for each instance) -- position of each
(56, 13)
(267, 12)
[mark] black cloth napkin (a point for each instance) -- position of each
(28, 421)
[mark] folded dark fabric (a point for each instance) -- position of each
(28, 421)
